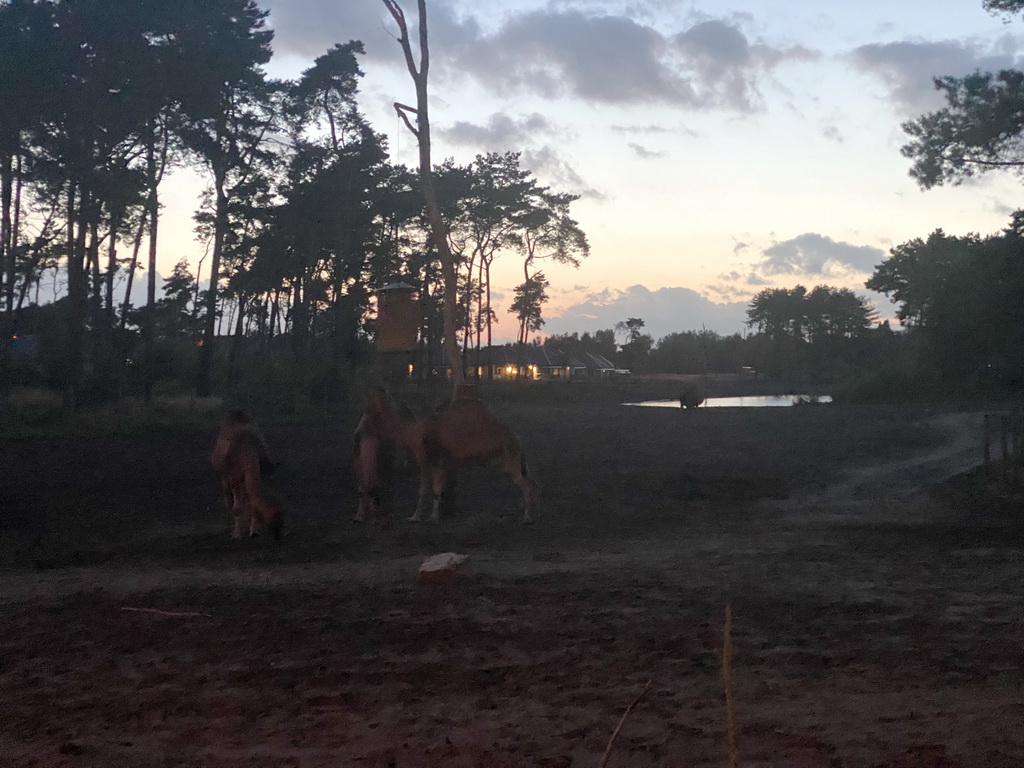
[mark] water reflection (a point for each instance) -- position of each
(750, 401)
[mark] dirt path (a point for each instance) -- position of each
(872, 491)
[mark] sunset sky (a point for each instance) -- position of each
(718, 148)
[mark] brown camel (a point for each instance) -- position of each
(465, 433)
(373, 454)
(240, 458)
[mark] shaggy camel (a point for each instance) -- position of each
(240, 458)
(373, 453)
(464, 433)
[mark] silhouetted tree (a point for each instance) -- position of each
(979, 130)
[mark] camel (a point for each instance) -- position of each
(240, 458)
(464, 433)
(373, 453)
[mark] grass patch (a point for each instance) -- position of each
(36, 412)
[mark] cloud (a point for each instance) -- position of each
(546, 163)
(500, 133)
(595, 55)
(726, 65)
(644, 153)
(307, 28)
(650, 130)
(832, 133)
(816, 255)
(909, 68)
(664, 311)
(737, 287)
(617, 60)
(643, 129)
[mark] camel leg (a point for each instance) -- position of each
(516, 469)
(440, 479)
(417, 516)
(229, 496)
(238, 511)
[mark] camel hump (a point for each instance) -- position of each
(467, 405)
(238, 416)
(237, 438)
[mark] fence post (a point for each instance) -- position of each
(1004, 445)
(988, 448)
(1015, 447)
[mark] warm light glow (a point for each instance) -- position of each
(509, 369)
(410, 369)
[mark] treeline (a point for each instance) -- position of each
(304, 217)
(962, 302)
(797, 335)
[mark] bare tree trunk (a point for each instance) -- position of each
(77, 296)
(422, 133)
(204, 379)
(99, 332)
(115, 223)
(479, 317)
(239, 334)
(7, 264)
(7, 261)
(153, 209)
(136, 247)
(275, 308)
(490, 362)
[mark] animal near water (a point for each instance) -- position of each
(241, 460)
(462, 434)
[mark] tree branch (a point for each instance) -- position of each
(402, 111)
(993, 162)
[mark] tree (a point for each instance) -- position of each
(778, 313)
(530, 296)
(979, 130)
(227, 114)
(963, 302)
(422, 133)
(916, 273)
(636, 351)
(631, 328)
(27, 69)
(174, 313)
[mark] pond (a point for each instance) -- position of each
(749, 401)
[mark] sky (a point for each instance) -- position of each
(718, 148)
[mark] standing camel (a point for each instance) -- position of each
(464, 433)
(240, 458)
(373, 453)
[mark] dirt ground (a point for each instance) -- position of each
(875, 581)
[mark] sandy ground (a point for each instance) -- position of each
(877, 603)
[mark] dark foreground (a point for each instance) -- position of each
(877, 604)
